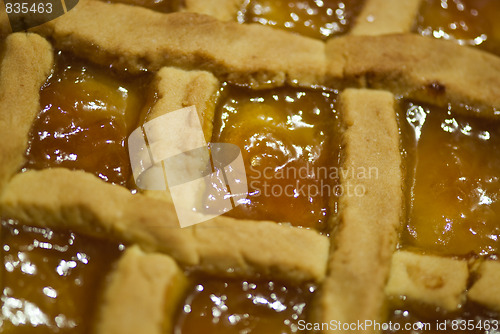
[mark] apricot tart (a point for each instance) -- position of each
(367, 131)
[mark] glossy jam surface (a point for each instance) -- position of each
(290, 143)
(50, 280)
(87, 114)
(215, 306)
(454, 169)
(419, 318)
(313, 18)
(469, 22)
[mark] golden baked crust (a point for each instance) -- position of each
(369, 216)
(24, 68)
(353, 268)
(250, 53)
(434, 280)
(417, 67)
(175, 89)
(78, 201)
(141, 294)
(408, 65)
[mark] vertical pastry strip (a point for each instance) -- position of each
(365, 234)
(27, 63)
(142, 294)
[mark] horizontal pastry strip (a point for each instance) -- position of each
(365, 231)
(430, 279)
(432, 70)
(417, 67)
(443, 281)
(137, 38)
(60, 198)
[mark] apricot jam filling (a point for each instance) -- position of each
(454, 173)
(290, 144)
(87, 112)
(50, 280)
(468, 22)
(319, 19)
(214, 306)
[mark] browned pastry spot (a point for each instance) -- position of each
(408, 65)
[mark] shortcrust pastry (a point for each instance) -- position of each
(397, 100)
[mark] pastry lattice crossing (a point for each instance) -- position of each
(327, 101)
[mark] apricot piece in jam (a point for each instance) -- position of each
(319, 19)
(469, 22)
(50, 279)
(289, 142)
(454, 170)
(215, 306)
(87, 114)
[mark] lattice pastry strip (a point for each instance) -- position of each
(373, 17)
(365, 231)
(431, 279)
(222, 245)
(416, 67)
(35, 198)
(281, 58)
(401, 64)
(142, 294)
(485, 288)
